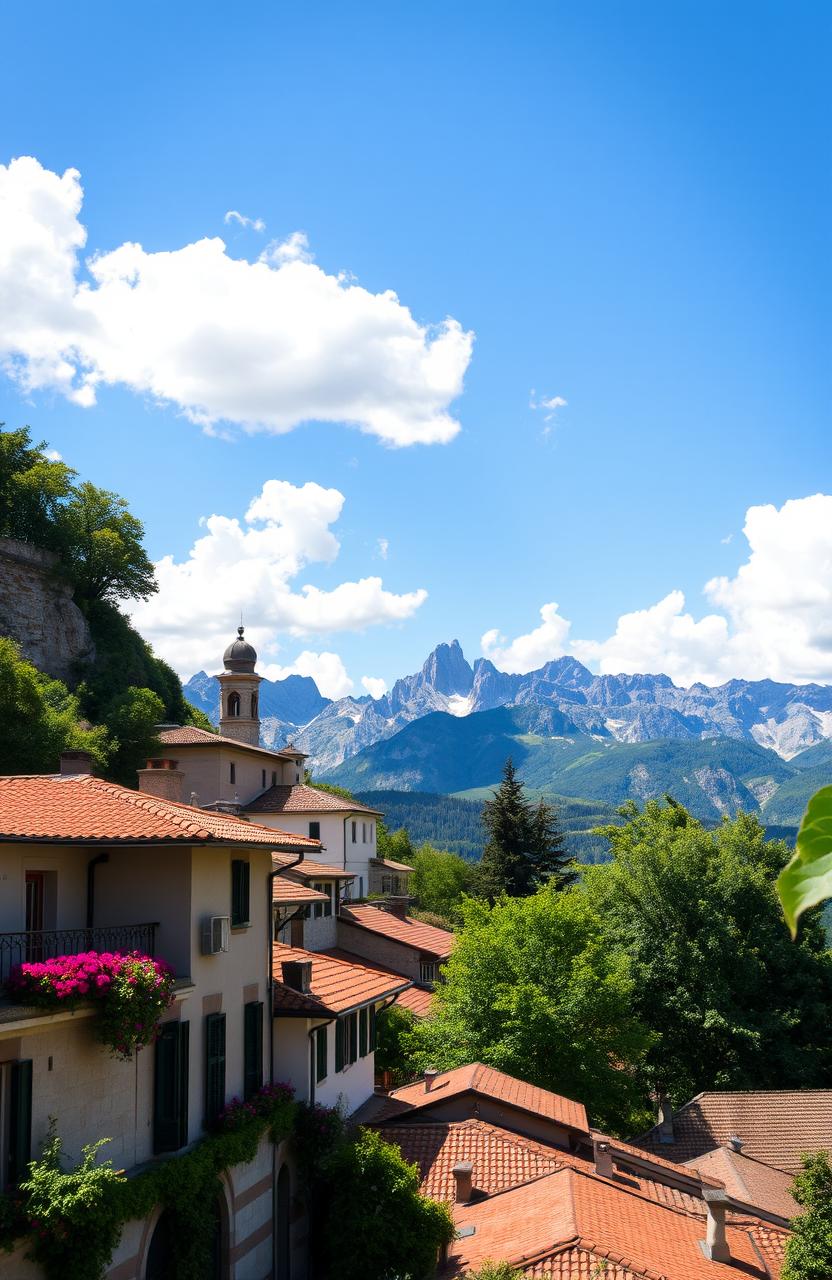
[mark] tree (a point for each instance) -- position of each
(440, 881)
(101, 545)
(732, 1004)
(525, 846)
(40, 719)
(132, 718)
(549, 854)
(809, 1249)
(394, 845)
(33, 488)
(395, 1232)
(533, 988)
(394, 1033)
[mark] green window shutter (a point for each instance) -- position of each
(314, 831)
(20, 1120)
(252, 1047)
(240, 892)
(362, 1034)
(340, 1039)
(214, 1065)
(170, 1088)
(353, 1030)
(372, 1028)
(321, 1055)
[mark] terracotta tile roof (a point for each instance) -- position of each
(530, 1225)
(390, 864)
(188, 735)
(309, 869)
(335, 985)
(579, 1264)
(489, 1083)
(775, 1126)
(417, 999)
(501, 1159)
(425, 938)
(82, 808)
(289, 891)
(749, 1180)
(303, 799)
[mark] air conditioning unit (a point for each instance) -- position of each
(216, 934)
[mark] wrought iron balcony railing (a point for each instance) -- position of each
(46, 944)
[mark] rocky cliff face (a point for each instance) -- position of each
(37, 610)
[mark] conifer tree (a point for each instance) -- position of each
(548, 844)
(506, 865)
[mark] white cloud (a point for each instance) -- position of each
(266, 345)
(383, 547)
(246, 567)
(773, 618)
(527, 653)
(53, 455)
(375, 686)
(326, 669)
(254, 224)
(548, 406)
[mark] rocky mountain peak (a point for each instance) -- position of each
(447, 671)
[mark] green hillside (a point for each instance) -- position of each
(445, 754)
(454, 822)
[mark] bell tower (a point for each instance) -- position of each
(239, 693)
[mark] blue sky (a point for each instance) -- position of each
(627, 204)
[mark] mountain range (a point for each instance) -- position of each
(788, 719)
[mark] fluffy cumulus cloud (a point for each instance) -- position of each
(247, 567)
(263, 345)
(772, 619)
(326, 669)
(374, 685)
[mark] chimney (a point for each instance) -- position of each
(665, 1120)
(161, 778)
(602, 1155)
(75, 762)
(396, 907)
(297, 974)
(463, 1181)
(430, 1075)
(715, 1245)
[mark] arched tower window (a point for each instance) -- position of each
(254, 706)
(233, 704)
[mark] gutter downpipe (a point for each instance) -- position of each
(91, 865)
(270, 879)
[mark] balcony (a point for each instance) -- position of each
(45, 944)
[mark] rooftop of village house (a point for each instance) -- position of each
(330, 984)
(425, 938)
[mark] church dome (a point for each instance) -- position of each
(240, 655)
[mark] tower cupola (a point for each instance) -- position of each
(239, 692)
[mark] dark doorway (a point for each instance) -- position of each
(160, 1264)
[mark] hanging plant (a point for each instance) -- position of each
(131, 992)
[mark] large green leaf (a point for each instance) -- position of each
(807, 880)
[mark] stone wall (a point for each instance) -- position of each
(37, 610)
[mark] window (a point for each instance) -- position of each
(170, 1088)
(15, 1121)
(363, 833)
(240, 893)
(363, 1028)
(252, 1047)
(346, 1041)
(254, 706)
(372, 832)
(314, 831)
(274, 777)
(233, 704)
(354, 832)
(321, 1055)
(214, 1066)
(263, 778)
(372, 1028)
(232, 772)
(428, 971)
(320, 909)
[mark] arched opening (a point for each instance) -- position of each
(161, 1263)
(233, 704)
(254, 706)
(282, 1251)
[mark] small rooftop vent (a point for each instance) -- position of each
(297, 974)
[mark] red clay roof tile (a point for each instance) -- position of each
(303, 799)
(335, 984)
(425, 938)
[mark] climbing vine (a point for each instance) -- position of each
(73, 1218)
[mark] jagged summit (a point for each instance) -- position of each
(624, 708)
